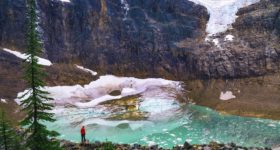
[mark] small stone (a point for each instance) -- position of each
(206, 148)
(228, 146)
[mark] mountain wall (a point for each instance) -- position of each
(155, 38)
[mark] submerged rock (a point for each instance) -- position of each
(123, 126)
(130, 115)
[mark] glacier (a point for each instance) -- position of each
(222, 13)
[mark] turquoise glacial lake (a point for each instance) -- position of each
(168, 124)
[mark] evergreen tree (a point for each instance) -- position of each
(36, 105)
(9, 140)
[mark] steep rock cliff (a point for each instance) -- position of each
(255, 47)
(149, 38)
(105, 36)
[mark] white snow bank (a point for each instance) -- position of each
(128, 91)
(67, 1)
(87, 70)
(157, 96)
(3, 100)
(229, 37)
(60, 93)
(41, 61)
(227, 95)
(222, 13)
(98, 91)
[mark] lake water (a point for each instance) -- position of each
(166, 123)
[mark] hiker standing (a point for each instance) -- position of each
(83, 134)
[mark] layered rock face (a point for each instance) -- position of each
(149, 38)
(106, 36)
(255, 48)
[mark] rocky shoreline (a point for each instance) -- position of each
(253, 96)
(187, 146)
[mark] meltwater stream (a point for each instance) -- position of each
(168, 124)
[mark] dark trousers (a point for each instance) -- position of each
(83, 138)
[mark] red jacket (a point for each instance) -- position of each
(83, 131)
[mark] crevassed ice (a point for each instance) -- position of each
(222, 13)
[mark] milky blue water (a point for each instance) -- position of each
(192, 123)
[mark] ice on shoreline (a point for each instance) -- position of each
(98, 91)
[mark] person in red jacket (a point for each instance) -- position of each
(83, 134)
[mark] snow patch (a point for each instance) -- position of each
(98, 91)
(222, 13)
(87, 70)
(3, 100)
(227, 95)
(80, 105)
(216, 42)
(67, 1)
(128, 91)
(229, 37)
(41, 61)
(125, 7)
